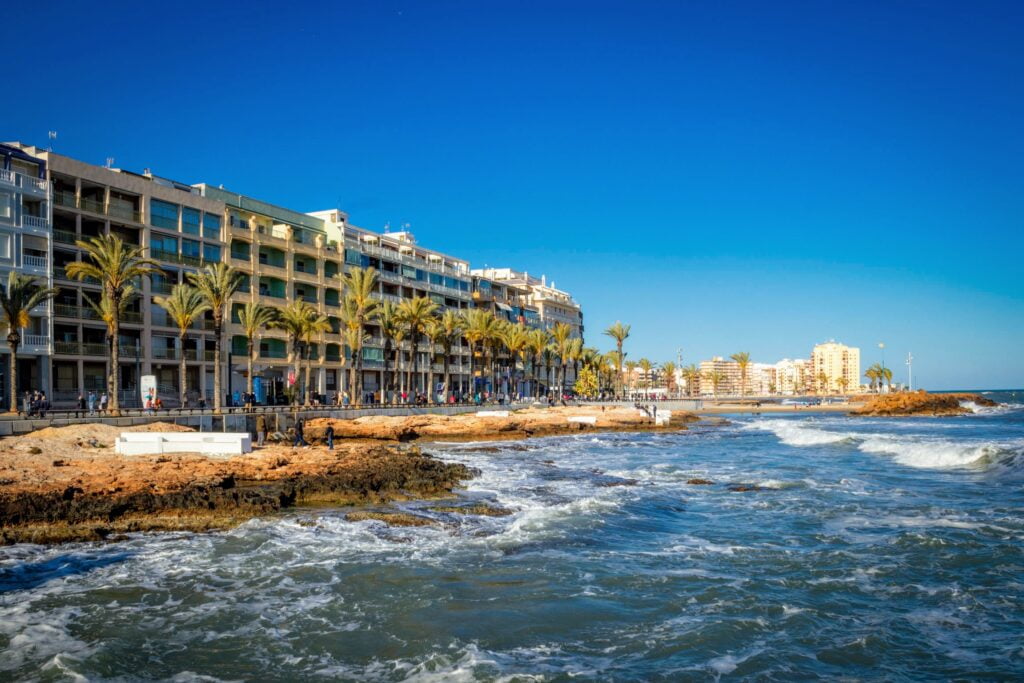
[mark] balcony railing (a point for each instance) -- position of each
(165, 353)
(35, 340)
(6, 176)
(91, 205)
(75, 348)
(36, 222)
(65, 198)
(126, 212)
(35, 261)
(161, 287)
(133, 317)
(64, 236)
(11, 177)
(273, 354)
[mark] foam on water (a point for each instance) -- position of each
(912, 450)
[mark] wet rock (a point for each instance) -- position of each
(700, 482)
(389, 518)
(920, 403)
(743, 488)
(476, 509)
(618, 482)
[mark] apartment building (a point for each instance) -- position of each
(838, 364)
(406, 270)
(52, 202)
(25, 247)
(178, 227)
(793, 376)
(728, 372)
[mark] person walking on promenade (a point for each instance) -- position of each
(92, 403)
(330, 437)
(103, 402)
(299, 437)
(81, 405)
(261, 430)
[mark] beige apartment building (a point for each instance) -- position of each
(838, 364)
(284, 256)
(179, 227)
(728, 370)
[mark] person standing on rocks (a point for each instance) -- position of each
(261, 430)
(299, 438)
(329, 433)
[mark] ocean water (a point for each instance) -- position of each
(873, 549)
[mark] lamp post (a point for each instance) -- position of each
(881, 379)
(910, 371)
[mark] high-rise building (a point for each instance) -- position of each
(727, 372)
(793, 376)
(25, 247)
(835, 367)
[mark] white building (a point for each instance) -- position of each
(26, 231)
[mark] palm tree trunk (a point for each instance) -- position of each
(415, 362)
(218, 328)
(115, 358)
(305, 382)
(447, 389)
(385, 378)
(182, 374)
(618, 376)
(13, 375)
(357, 391)
(250, 347)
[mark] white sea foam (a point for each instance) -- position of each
(906, 449)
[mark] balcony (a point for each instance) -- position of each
(64, 236)
(91, 205)
(161, 287)
(75, 348)
(21, 180)
(34, 222)
(271, 353)
(35, 343)
(125, 212)
(165, 353)
(132, 317)
(37, 262)
(65, 198)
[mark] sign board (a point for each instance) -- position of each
(147, 388)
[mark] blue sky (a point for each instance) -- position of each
(723, 176)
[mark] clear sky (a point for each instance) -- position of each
(724, 176)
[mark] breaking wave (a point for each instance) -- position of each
(910, 450)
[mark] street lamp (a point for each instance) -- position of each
(910, 371)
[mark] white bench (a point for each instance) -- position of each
(493, 413)
(207, 443)
(583, 419)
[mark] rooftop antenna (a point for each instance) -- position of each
(110, 162)
(52, 135)
(387, 228)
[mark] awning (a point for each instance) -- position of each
(504, 307)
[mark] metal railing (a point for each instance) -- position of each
(35, 340)
(64, 236)
(37, 222)
(35, 261)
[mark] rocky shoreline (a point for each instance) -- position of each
(920, 403)
(66, 484)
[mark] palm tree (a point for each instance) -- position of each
(292, 319)
(575, 355)
(253, 317)
(393, 332)
(359, 286)
(645, 368)
(887, 376)
(516, 339)
(538, 341)
(619, 333)
(874, 375)
(743, 360)
(316, 324)
(692, 374)
(561, 334)
(481, 327)
(21, 295)
(716, 378)
(668, 368)
(630, 369)
(822, 382)
(217, 282)
(449, 328)
(184, 306)
(117, 266)
(843, 384)
(415, 313)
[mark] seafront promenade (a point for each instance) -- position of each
(240, 419)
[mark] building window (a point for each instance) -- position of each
(211, 253)
(163, 214)
(189, 221)
(211, 226)
(164, 243)
(5, 204)
(353, 257)
(190, 248)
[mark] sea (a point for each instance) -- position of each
(827, 547)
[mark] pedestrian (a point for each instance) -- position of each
(261, 430)
(44, 404)
(330, 437)
(248, 402)
(299, 438)
(103, 402)
(92, 402)
(81, 405)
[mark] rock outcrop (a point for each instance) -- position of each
(920, 403)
